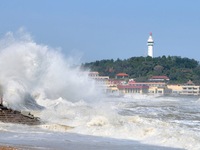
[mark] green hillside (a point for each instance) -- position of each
(178, 69)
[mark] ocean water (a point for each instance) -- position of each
(111, 123)
(76, 115)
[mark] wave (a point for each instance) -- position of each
(30, 70)
(103, 119)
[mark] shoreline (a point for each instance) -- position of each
(4, 147)
(18, 147)
(79, 142)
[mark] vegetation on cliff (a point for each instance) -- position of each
(178, 69)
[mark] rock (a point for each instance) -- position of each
(13, 116)
(27, 114)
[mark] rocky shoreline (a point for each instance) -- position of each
(12, 116)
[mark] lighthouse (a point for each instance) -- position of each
(150, 43)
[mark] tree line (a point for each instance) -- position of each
(178, 69)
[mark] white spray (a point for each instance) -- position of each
(29, 70)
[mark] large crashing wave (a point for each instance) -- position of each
(30, 70)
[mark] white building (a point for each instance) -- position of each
(150, 44)
(190, 89)
(101, 81)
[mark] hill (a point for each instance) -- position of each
(178, 69)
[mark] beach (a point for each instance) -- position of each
(79, 142)
(7, 148)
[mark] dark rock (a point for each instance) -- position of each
(13, 116)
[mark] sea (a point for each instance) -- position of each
(76, 115)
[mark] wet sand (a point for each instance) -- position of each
(89, 147)
(70, 144)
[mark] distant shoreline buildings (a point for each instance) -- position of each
(156, 85)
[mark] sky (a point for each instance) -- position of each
(107, 29)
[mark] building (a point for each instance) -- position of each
(153, 87)
(112, 85)
(190, 89)
(159, 79)
(128, 89)
(121, 76)
(93, 75)
(150, 84)
(101, 81)
(176, 88)
(160, 90)
(150, 44)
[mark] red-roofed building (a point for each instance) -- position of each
(115, 82)
(112, 85)
(131, 82)
(159, 78)
(121, 76)
(189, 83)
(133, 89)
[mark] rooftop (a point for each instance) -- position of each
(122, 75)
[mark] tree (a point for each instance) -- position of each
(178, 69)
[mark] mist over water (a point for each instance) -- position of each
(30, 70)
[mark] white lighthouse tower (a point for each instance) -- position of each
(150, 43)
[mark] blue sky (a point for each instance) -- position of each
(105, 29)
